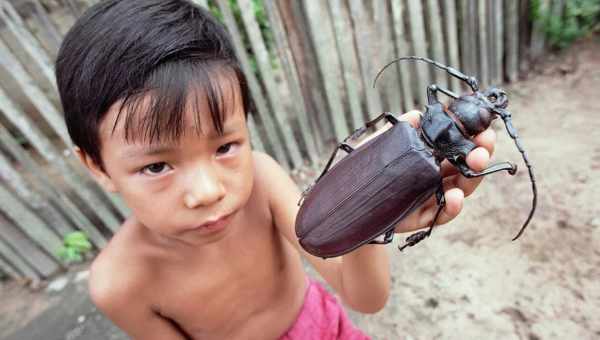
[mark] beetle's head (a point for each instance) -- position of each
(496, 97)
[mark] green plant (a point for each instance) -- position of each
(75, 246)
(579, 18)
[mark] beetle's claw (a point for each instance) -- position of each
(415, 238)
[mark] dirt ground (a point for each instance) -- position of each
(468, 281)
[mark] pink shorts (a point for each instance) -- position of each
(322, 318)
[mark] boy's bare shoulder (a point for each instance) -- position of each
(266, 167)
(118, 275)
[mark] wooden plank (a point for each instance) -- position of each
(437, 41)
(264, 115)
(342, 25)
(48, 26)
(524, 34)
(263, 61)
(27, 40)
(498, 39)
(45, 107)
(257, 143)
(48, 151)
(311, 80)
(321, 31)
(8, 270)
(285, 56)
(24, 269)
(417, 30)
(403, 49)
(468, 32)
(512, 39)
(381, 31)
(27, 250)
(33, 199)
(29, 222)
(364, 46)
(538, 36)
(452, 43)
(60, 199)
(482, 34)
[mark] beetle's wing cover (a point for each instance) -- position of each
(367, 193)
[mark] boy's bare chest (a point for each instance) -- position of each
(255, 283)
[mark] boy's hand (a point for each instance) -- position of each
(456, 186)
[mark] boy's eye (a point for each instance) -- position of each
(156, 169)
(226, 148)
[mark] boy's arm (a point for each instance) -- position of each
(361, 278)
(127, 307)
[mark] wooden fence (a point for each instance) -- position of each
(311, 78)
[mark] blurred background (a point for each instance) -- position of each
(311, 66)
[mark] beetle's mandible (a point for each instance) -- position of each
(368, 192)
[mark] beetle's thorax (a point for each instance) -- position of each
(473, 112)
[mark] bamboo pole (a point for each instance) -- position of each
(58, 197)
(345, 43)
(285, 56)
(364, 46)
(403, 49)
(512, 39)
(419, 43)
(29, 223)
(437, 45)
(49, 27)
(328, 63)
(23, 268)
(17, 27)
(384, 52)
(26, 249)
(26, 193)
(44, 106)
(451, 24)
(48, 151)
(483, 47)
(264, 114)
(263, 62)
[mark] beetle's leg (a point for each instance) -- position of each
(368, 125)
(464, 169)
(421, 235)
(387, 238)
(432, 94)
(344, 146)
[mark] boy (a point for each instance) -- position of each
(155, 102)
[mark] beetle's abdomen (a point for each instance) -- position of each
(367, 193)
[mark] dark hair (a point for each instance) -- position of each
(122, 51)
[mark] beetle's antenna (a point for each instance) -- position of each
(506, 117)
(471, 81)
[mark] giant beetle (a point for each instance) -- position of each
(368, 192)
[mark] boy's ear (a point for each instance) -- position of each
(97, 172)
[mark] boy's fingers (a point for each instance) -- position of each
(413, 117)
(454, 203)
(422, 217)
(486, 139)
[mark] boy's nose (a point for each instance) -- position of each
(203, 189)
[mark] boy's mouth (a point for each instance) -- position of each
(215, 223)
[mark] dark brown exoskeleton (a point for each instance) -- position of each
(368, 192)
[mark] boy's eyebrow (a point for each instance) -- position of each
(227, 129)
(146, 151)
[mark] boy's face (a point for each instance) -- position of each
(179, 189)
